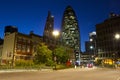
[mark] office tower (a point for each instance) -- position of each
(70, 34)
(48, 30)
(90, 45)
(108, 41)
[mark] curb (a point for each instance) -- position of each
(22, 70)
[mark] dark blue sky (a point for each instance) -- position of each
(30, 15)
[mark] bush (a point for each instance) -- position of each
(24, 63)
(49, 63)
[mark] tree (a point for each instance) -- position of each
(61, 54)
(42, 54)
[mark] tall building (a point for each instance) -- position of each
(90, 45)
(70, 34)
(10, 29)
(48, 30)
(108, 45)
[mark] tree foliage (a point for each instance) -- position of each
(61, 54)
(42, 55)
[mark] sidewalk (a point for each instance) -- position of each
(23, 70)
(28, 70)
(69, 69)
(79, 69)
(16, 70)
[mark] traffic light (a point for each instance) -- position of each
(76, 55)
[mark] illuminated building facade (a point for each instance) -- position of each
(18, 46)
(48, 30)
(108, 46)
(90, 45)
(70, 34)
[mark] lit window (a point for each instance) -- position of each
(28, 48)
(72, 17)
(91, 40)
(91, 47)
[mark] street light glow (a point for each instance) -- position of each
(55, 33)
(91, 40)
(117, 36)
(91, 47)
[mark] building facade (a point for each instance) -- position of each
(108, 46)
(90, 45)
(10, 29)
(18, 46)
(1, 48)
(48, 38)
(70, 34)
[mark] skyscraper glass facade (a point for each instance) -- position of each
(70, 33)
(48, 30)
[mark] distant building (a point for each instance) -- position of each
(90, 48)
(70, 34)
(48, 31)
(18, 46)
(90, 45)
(10, 29)
(85, 57)
(108, 46)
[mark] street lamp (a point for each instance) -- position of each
(55, 34)
(117, 36)
(91, 50)
(91, 47)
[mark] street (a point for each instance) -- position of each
(67, 74)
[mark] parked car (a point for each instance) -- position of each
(89, 65)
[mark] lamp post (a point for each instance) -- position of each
(55, 34)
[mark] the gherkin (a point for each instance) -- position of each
(70, 34)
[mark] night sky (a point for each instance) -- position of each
(30, 15)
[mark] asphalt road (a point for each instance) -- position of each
(69, 74)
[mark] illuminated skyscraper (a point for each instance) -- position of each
(90, 45)
(70, 34)
(49, 26)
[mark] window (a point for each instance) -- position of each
(18, 47)
(23, 48)
(19, 39)
(28, 48)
